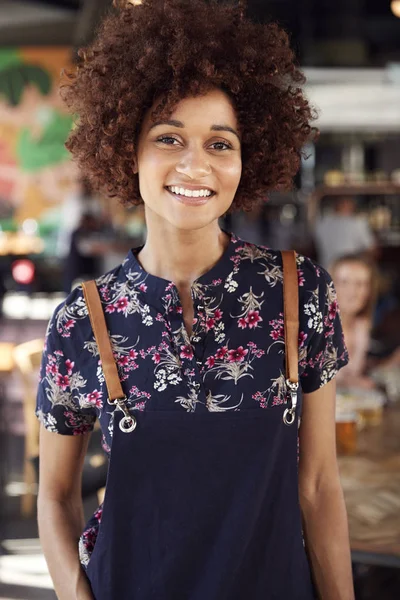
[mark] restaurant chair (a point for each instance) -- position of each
(27, 359)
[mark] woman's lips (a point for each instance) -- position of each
(190, 201)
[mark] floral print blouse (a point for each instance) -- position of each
(233, 360)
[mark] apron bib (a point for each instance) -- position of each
(213, 506)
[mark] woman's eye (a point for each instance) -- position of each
(227, 146)
(166, 139)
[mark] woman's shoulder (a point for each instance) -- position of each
(311, 274)
(72, 312)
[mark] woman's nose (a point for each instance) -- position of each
(195, 164)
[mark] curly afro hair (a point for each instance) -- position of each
(172, 49)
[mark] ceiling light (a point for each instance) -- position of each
(395, 6)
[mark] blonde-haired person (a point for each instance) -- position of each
(355, 280)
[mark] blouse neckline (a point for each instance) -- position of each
(148, 283)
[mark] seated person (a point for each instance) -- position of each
(355, 283)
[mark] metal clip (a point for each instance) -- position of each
(128, 422)
(290, 413)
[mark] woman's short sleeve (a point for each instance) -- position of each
(60, 401)
(322, 348)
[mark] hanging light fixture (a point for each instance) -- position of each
(395, 6)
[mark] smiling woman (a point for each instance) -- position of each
(193, 110)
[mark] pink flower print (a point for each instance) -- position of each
(275, 334)
(62, 381)
(140, 406)
(242, 323)
(70, 365)
(210, 362)
(277, 400)
(221, 353)
(142, 353)
(257, 396)
(105, 292)
(123, 361)
(69, 324)
(210, 322)
(333, 307)
(300, 278)
(159, 317)
(59, 352)
(122, 304)
(302, 338)
(110, 308)
(52, 368)
(216, 281)
(143, 287)
(253, 318)
(237, 355)
(133, 354)
(217, 314)
(83, 428)
(156, 358)
(95, 398)
(186, 352)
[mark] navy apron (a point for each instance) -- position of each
(213, 506)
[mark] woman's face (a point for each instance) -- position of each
(198, 151)
(353, 286)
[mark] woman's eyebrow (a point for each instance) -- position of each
(173, 123)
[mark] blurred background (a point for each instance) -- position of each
(344, 212)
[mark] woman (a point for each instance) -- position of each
(193, 110)
(355, 283)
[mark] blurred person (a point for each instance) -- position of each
(355, 281)
(342, 232)
(207, 493)
(83, 260)
(250, 225)
(79, 200)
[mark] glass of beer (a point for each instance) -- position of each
(346, 431)
(370, 407)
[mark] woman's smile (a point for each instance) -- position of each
(190, 196)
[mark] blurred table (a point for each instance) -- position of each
(371, 486)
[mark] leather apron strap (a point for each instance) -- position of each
(291, 315)
(99, 327)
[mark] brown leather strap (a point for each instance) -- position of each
(99, 327)
(291, 314)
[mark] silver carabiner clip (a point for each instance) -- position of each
(128, 422)
(289, 415)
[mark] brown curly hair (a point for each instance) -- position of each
(172, 49)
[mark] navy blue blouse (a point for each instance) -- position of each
(233, 360)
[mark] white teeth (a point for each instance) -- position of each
(190, 193)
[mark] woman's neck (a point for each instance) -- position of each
(182, 256)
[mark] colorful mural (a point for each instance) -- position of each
(36, 172)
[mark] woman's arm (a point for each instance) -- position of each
(321, 497)
(60, 511)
